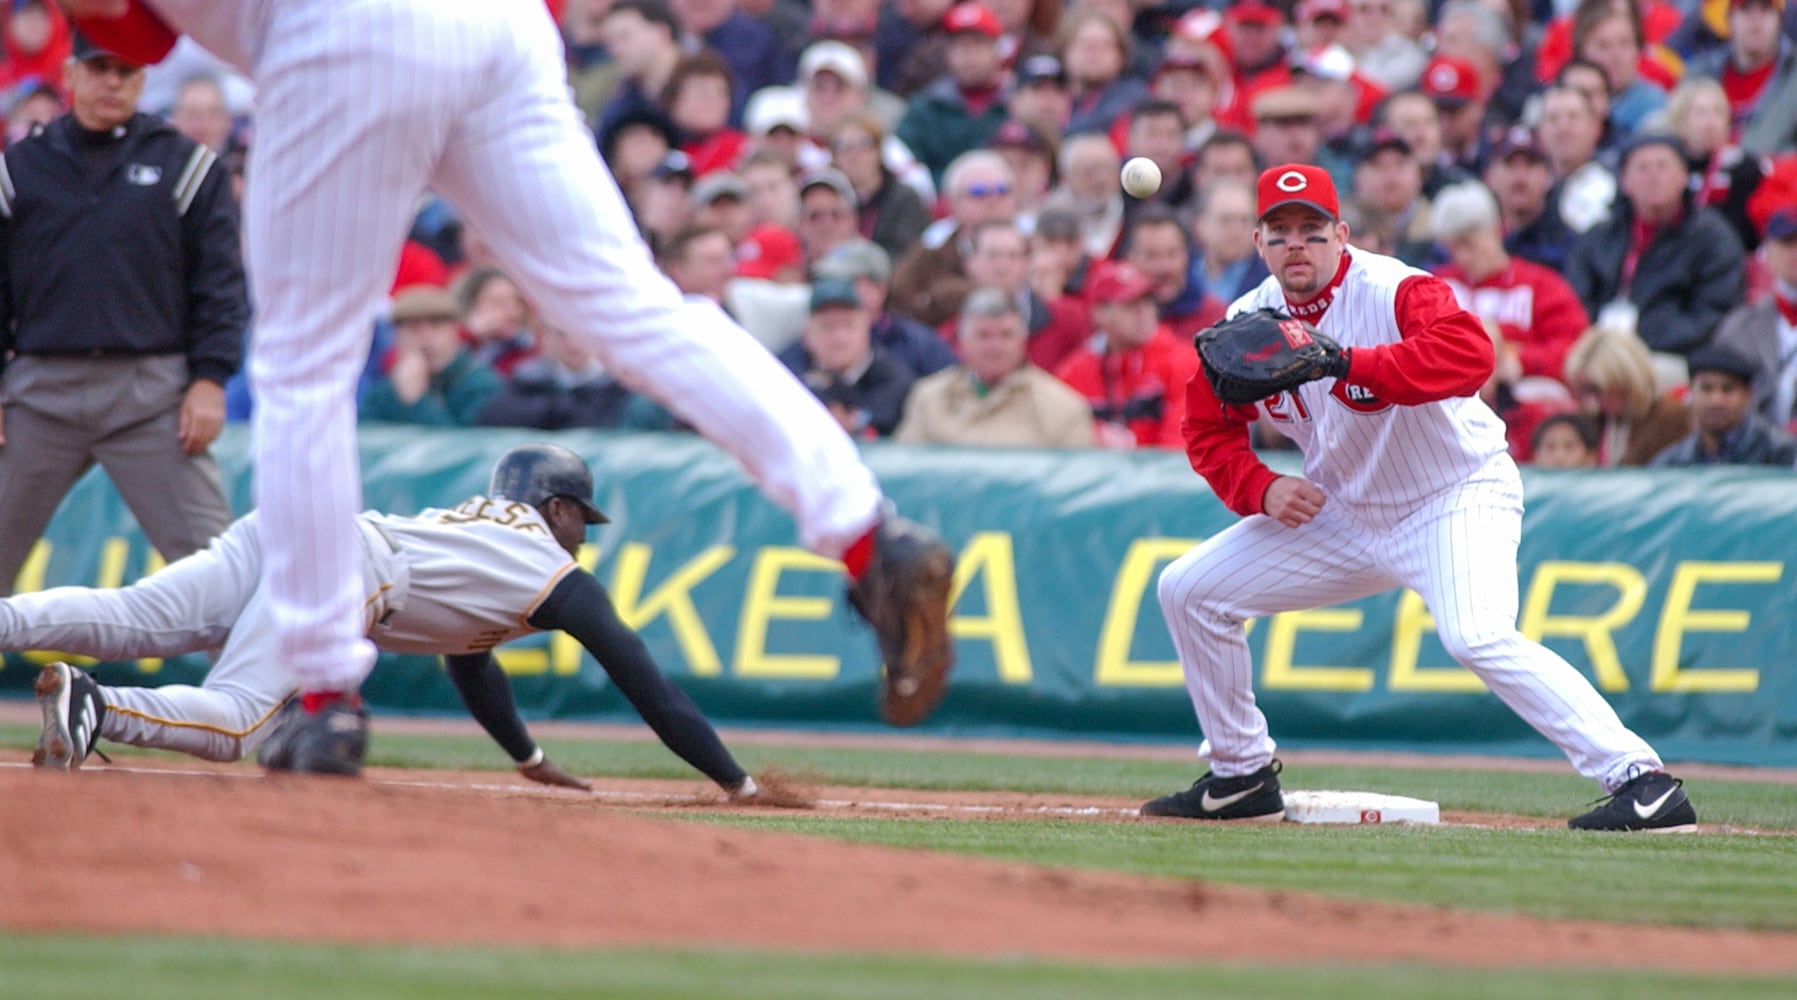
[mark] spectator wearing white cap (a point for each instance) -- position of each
(835, 89)
(776, 122)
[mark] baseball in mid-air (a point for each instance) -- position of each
(1141, 177)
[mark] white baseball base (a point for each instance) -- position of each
(1359, 808)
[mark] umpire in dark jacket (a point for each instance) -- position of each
(122, 311)
(1680, 266)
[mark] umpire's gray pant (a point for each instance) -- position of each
(63, 414)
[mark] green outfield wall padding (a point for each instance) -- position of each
(1672, 590)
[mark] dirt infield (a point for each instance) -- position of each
(452, 858)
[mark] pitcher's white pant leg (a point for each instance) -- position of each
(354, 103)
(1461, 557)
(185, 607)
(524, 170)
(1254, 568)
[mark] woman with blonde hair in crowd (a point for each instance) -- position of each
(1611, 374)
(1723, 175)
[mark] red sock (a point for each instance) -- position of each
(859, 555)
(313, 701)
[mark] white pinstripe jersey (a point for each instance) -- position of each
(478, 573)
(1382, 459)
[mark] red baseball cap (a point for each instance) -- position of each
(1297, 184)
(1310, 10)
(766, 250)
(971, 17)
(1116, 281)
(1254, 11)
(1451, 81)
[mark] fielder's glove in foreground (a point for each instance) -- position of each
(1264, 353)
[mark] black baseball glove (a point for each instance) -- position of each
(1264, 353)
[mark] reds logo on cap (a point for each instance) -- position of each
(1298, 184)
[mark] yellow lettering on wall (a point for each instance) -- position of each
(673, 598)
(1597, 631)
(1677, 618)
(153, 562)
(990, 558)
(1414, 621)
(523, 661)
(1282, 637)
(31, 575)
(761, 603)
(1134, 580)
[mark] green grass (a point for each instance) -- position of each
(1733, 882)
(74, 968)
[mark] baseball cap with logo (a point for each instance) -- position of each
(1451, 81)
(766, 250)
(971, 17)
(1113, 281)
(1297, 184)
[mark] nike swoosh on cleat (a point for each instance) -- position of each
(1213, 805)
(1647, 811)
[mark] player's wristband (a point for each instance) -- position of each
(535, 758)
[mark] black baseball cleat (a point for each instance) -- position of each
(73, 711)
(904, 596)
(332, 740)
(1654, 802)
(1253, 797)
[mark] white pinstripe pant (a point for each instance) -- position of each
(362, 105)
(1458, 552)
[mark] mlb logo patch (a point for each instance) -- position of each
(143, 174)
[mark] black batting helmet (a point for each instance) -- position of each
(533, 473)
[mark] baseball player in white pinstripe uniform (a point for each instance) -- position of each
(361, 105)
(1407, 483)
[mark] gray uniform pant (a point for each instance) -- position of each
(207, 600)
(64, 414)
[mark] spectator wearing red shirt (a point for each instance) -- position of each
(37, 44)
(1133, 372)
(1533, 307)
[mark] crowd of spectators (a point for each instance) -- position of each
(915, 205)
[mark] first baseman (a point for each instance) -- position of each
(362, 105)
(453, 582)
(1406, 482)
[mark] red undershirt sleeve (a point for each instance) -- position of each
(1219, 448)
(1444, 353)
